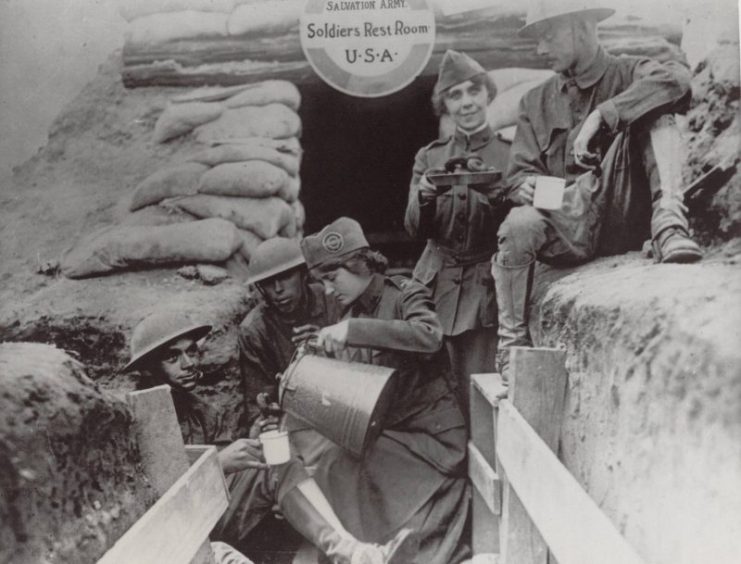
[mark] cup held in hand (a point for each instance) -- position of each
(549, 192)
(275, 447)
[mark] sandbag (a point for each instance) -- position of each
(234, 153)
(289, 145)
(210, 94)
(507, 78)
(157, 215)
(179, 119)
(120, 247)
(248, 179)
(250, 241)
(299, 214)
(160, 28)
(174, 180)
(265, 17)
(264, 216)
(267, 92)
(274, 120)
(290, 190)
(133, 9)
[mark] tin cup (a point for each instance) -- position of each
(549, 192)
(275, 447)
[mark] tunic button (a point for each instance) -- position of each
(456, 280)
(460, 216)
(460, 238)
(462, 196)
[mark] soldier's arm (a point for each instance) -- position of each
(656, 88)
(525, 159)
(419, 330)
(256, 368)
(420, 213)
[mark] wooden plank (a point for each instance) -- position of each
(485, 522)
(194, 452)
(484, 479)
(490, 386)
(161, 444)
(174, 527)
(537, 391)
(575, 529)
(159, 437)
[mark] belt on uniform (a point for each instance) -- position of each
(462, 258)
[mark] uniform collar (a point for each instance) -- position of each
(368, 300)
(482, 135)
(591, 74)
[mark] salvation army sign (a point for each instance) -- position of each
(367, 48)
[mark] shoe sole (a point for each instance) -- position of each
(682, 256)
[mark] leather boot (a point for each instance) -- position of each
(513, 286)
(309, 512)
(664, 156)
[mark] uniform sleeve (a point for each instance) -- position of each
(655, 86)
(418, 330)
(256, 367)
(420, 216)
(524, 156)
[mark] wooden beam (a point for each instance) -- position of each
(485, 389)
(161, 445)
(537, 391)
(484, 479)
(576, 530)
(174, 527)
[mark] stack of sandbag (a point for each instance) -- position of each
(153, 22)
(239, 187)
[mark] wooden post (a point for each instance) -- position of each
(537, 390)
(486, 389)
(161, 445)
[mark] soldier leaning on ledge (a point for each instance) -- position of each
(606, 125)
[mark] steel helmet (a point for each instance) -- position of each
(157, 330)
(274, 256)
(542, 10)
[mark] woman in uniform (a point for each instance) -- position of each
(413, 476)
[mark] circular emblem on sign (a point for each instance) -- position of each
(333, 242)
(367, 48)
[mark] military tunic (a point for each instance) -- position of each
(414, 474)
(630, 92)
(460, 226)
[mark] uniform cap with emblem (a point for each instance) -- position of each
(342, 236)
(160, 329)
(273, 257)
(543, 10)
(455, 68)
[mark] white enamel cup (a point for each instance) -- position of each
(549, 192)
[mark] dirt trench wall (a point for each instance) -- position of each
(652, 424)
(70, 476)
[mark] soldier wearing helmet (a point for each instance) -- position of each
(291, 309)
(605, 124)
(460, 224)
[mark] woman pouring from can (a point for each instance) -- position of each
(413, 475)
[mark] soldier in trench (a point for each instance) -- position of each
(605, 124)
(164, 349)
(460, 224)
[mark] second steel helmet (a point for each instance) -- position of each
(542, 10)
(274, 256)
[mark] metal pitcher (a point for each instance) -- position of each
(344, 401)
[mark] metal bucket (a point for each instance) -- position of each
(344, 401)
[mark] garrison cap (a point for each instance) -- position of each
(342, 236)
(456, 67)
(274, 256)
(543, 10)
